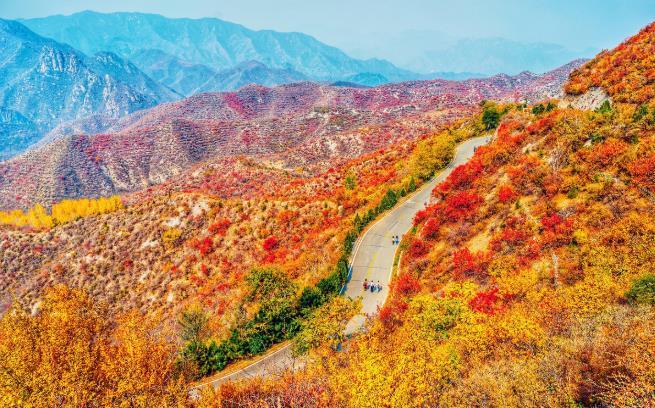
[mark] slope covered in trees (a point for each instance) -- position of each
(183, 244)
(305, 128)
(526, 282)
(627, 72)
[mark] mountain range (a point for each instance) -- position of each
(441, 54)
(103, 66)
(190, 79)
(44, 83)
(213, 43)
(98, 67)
(305, 126)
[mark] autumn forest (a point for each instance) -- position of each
(199, 239)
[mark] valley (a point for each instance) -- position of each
(192, 214)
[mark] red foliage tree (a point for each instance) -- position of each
(462, 205)
(418, 248)
(514, 235)
(462, 177)
(406, 285)
(556, 230)
(466, 264)
(391, 313)
(506, 193)
(431, 228)
(606, 153)
(271, 243)
(421, 216)
(487, 302)
(643, 171)
(220, 226)
(205, 246)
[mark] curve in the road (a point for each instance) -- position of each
(372, 260)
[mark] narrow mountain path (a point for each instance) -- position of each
(372, 260)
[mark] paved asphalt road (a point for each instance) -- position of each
(372, 260)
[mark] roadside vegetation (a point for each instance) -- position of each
(529, 282)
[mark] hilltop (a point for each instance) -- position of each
(625, 73)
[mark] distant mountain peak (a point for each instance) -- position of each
(46, 83)
(210, 42)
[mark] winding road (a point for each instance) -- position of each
(372, 259)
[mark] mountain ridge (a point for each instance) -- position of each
(213, 42)
(302, 125)
(74, 84)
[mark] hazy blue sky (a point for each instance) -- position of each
(573, 23)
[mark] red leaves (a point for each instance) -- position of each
(551, 222)
(390, 314)
(220, 227)
(606, 153)
(513, 235)
(428, 212)
(510, 136)
(557, 230)
(488, 302)
(621, 72)
(506, 193)
(431, 228)
(540, 125)
(235, 103)
(418, 248)
(421, 216)
(406, 285)
(643, 171)
(271, 243)
(462, 177)
(204, 246)
(462, 205)
(466, 264)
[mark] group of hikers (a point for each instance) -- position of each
(373, 287)
(395, 240)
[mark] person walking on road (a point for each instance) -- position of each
(365, 284)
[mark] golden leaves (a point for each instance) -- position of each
(71, 353)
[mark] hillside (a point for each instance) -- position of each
(175, 247)
(626, 73)
(527, 281)
(212, 42)
(229, 222)
(301, 128)
(75, 86)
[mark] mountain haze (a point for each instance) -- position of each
(214, 43)
(44, 83)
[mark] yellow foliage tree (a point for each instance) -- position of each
(61, 213)
(70, 354)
